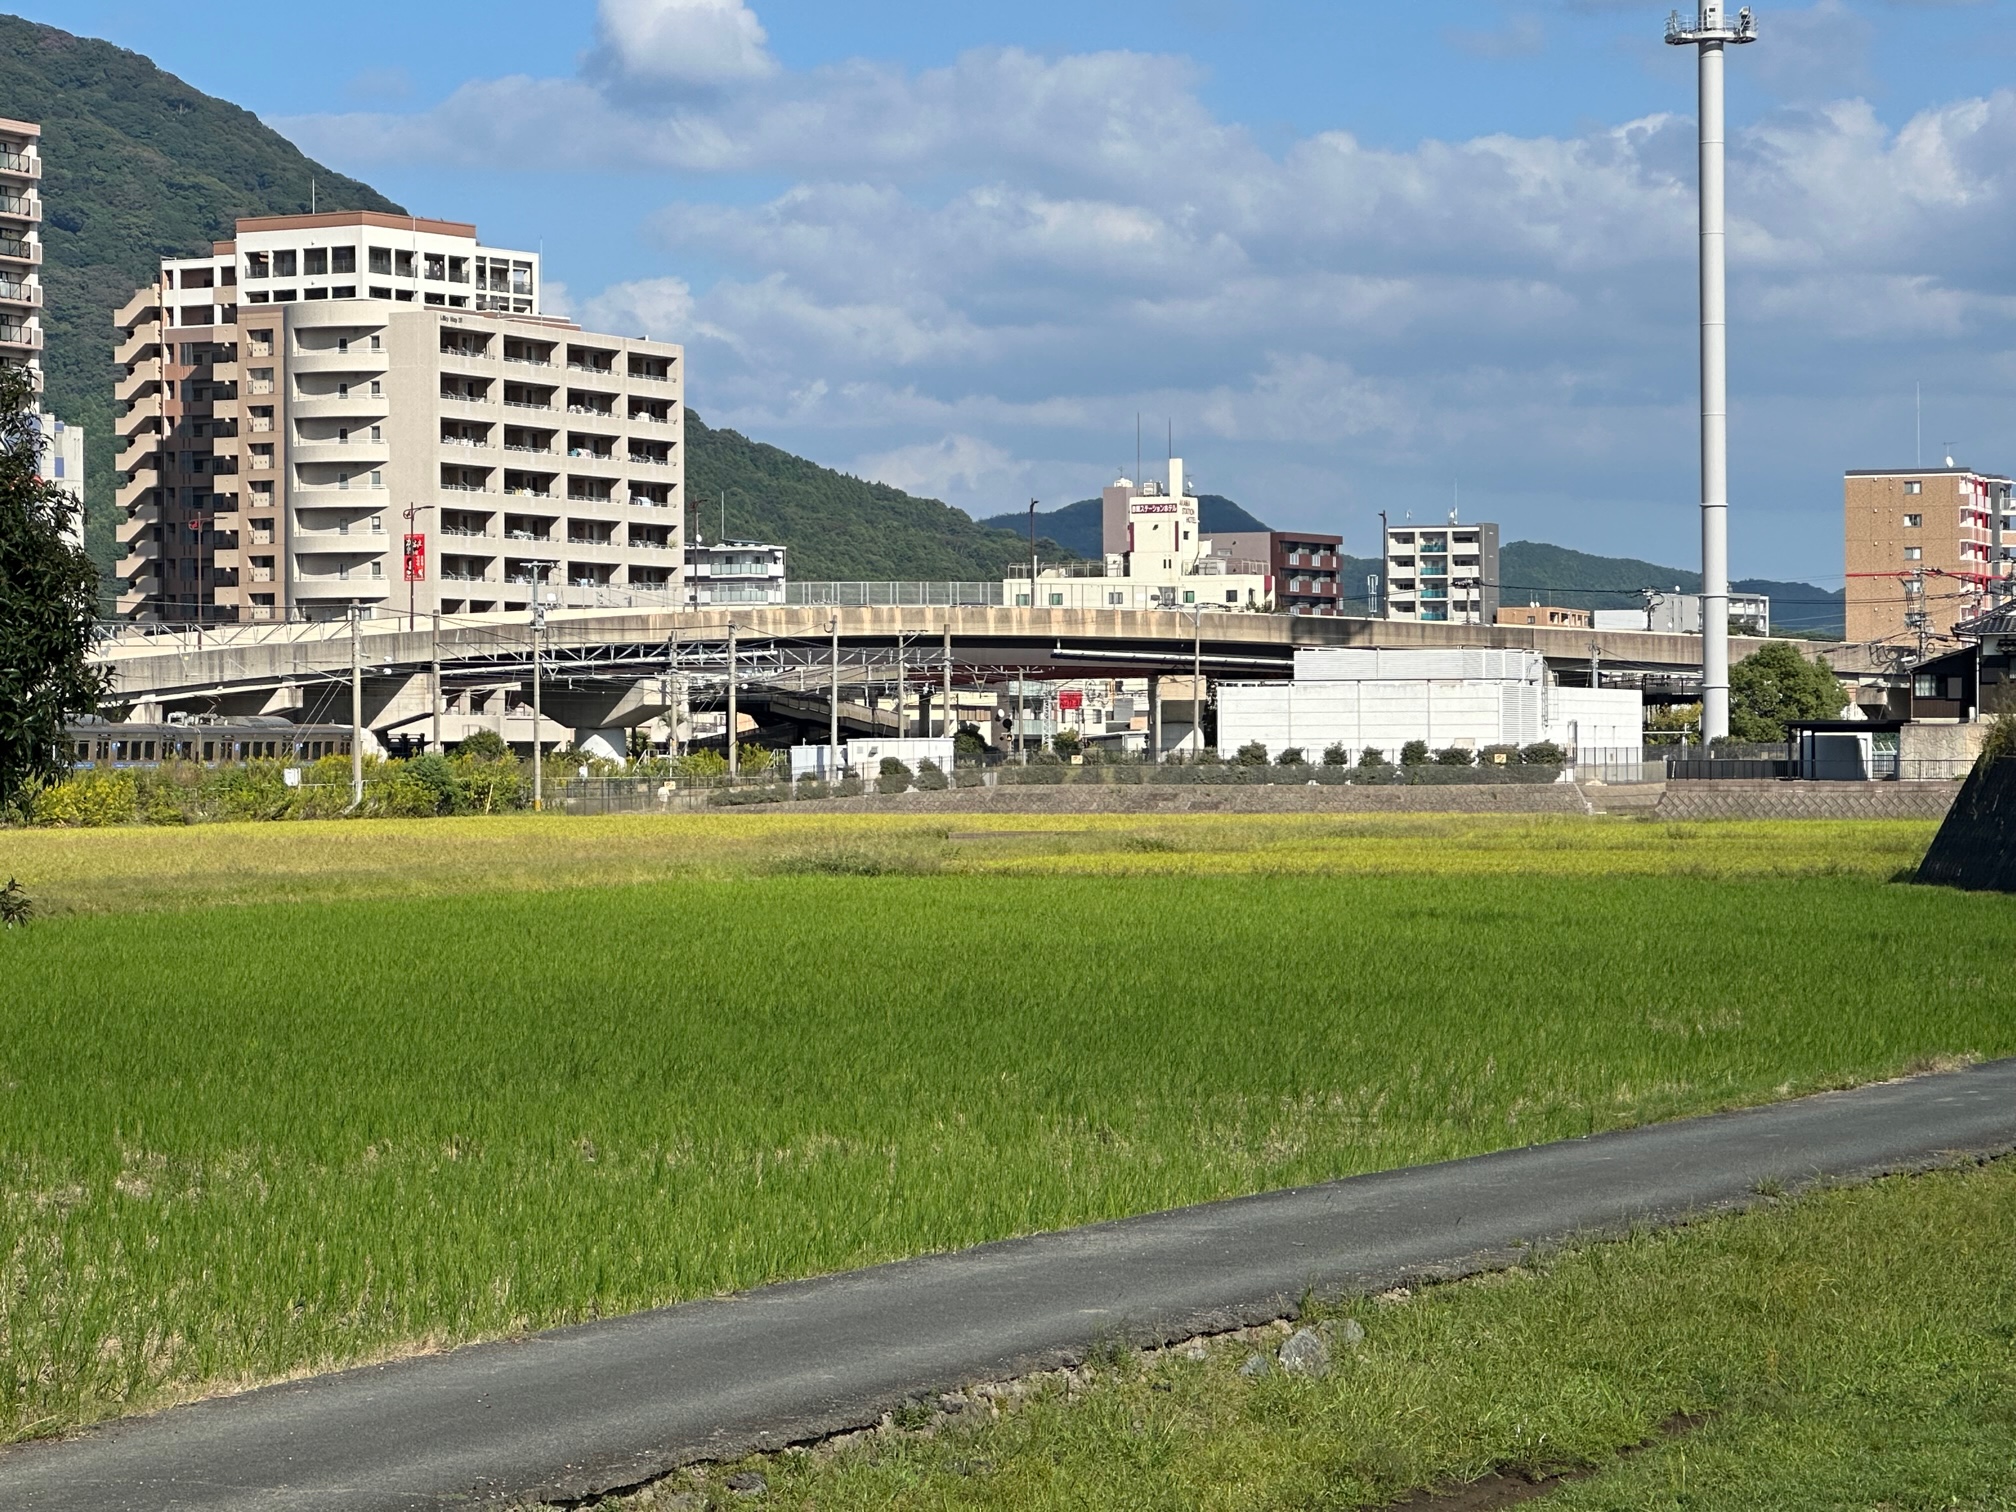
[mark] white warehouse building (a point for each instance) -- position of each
(1464, 698)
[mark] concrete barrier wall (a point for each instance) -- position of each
(1805, 800)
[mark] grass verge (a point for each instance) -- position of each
(1854, 1349)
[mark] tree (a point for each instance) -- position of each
(1414, 753)
(1774, 685)
(1371, 759)
(1253, 753)
(1066, 743)
(968, 744)
(1453, 756)
(1291, 757)
(483, 745)
(48, 602)
(1334, 755)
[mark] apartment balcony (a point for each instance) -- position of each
(138, 522)
(141, 380)
(144, 342)
(357, 360)
(324, 588)
(359, 495)
(143, 308)
(19, 167)
(22, 339)
(18, 295)
(140, 485)
(359, 453)
(15, 251)
(358, 406)
(359, 540)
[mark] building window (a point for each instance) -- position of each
(283, 264)
(377, 389)
(1914, 488)
(377, 479)
(315, 261)
(1912, 522)
(381, 260)
(257, 265)
(437, 267)
(1914, 553)
(343, 260)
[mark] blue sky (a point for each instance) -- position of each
(1358, 254)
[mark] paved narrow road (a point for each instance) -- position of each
(565, 1415)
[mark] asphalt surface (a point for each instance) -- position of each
(566, 1415)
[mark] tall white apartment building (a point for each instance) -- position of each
(21, 246)
(1442, 574)
(371, 411)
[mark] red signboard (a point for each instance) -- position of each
(1070, 700)
(416, 559)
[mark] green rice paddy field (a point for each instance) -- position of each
(277, 1098)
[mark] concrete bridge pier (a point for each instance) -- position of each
(602, 717)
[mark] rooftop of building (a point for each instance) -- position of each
(332, 220)
(1924, 472)
(11, 127)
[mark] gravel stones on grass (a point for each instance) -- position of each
(1305, 1354)
(748, 1483)
(1257, 1367)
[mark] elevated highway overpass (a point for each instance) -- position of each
(606, 668)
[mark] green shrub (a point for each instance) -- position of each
(1291, 757)
(968, 744)
(1543, 753)
(1066, 743)
(16, 908)
(89, 800)
(1454, 756)
(484, 745)
(931, 777)
(1999, 744)
(1414, 753)
(1334, 755)
(895, 777)
(1253, 754)
(1372, 759)
(1498, 756)
(493, 787)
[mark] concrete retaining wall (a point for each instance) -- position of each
(1806, 800)
(1550, 798)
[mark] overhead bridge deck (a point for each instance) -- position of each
(239, 669)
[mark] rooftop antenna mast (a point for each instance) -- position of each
(1712, 34)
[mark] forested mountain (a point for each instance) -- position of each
(137, 166)
(837, 526)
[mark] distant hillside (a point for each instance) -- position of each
(138, 166)
(1078, 528)
(836, 526)
(1579, 580)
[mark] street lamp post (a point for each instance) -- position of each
(1712, 34)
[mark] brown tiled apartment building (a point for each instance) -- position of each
(1925, 548)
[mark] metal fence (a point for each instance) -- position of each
(897, 595)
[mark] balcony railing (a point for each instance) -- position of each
(20, 293)
(15, 162)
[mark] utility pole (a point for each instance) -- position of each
(538, 711)
(833, 707)
(1032, 553)
(1197, 679)
(1385, 557)
(734, 765)
(945, 730)
(1595, 664)
(434, 656)
(902, 690)
(1711, 36)
(356, 706)
(676, 692)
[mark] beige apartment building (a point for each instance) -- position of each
(371, 411)
(1925, 548)
(21, 246)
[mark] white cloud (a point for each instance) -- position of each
(952, 467)
(1008, 257)
(680, 42)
